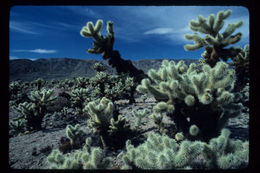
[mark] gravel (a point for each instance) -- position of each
(29, 151)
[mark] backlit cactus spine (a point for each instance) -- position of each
(215, 43)
(34, 111)
(87, 158)
(161, 152)
(104, 122)
(194, 97)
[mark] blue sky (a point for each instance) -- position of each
(141, 32)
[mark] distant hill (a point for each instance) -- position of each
(67, 68)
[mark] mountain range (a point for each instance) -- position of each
(67, 68)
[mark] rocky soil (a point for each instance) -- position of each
(29, 151)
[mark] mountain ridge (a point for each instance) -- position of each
(68, 68)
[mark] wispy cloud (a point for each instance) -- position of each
(15, 57)
(149, 20)
(41, 51)
(85, 11)
(67, 26)
(160, 31)
(176, 35)
(172, 22)
(21, 27)
(38, 26)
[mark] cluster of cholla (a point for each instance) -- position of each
(218, 45)
(199, 98)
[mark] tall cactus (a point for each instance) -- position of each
(214, 41)
(104, 45)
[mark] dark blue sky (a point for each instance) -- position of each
(141, 32)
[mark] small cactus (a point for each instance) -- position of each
(139, 116)
(74, 134)
(88, 158)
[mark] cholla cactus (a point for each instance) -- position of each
(157, 115)
(101, 44)
(113, 87)
(38, 83)
(241, 64)
(118, 125)
(100, 113)
(225, 153)
(18, 125)
(100, 116)
(214, 42)
(99, 67)
(121, 86)
(80, 97)
(143, 97)
(34, 111)
(81, 82)
(98, 82)
(242, 95)
(139, 115)
(194, 130)
(158, 120)
(42, 98)
(67, 83)
(104, 122)
(74, 134)
(161, 152)
(31, 115)
(17, 93)
(242, 59)
(179, 136)
(14, 88)
(104, 45)
(54, 81)
(203, 98)
(88, 158)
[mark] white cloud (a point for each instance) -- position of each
(171, 22)
(41, 51)
(176, 35)
(160, 31)
(15, 57)
(21, 27)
